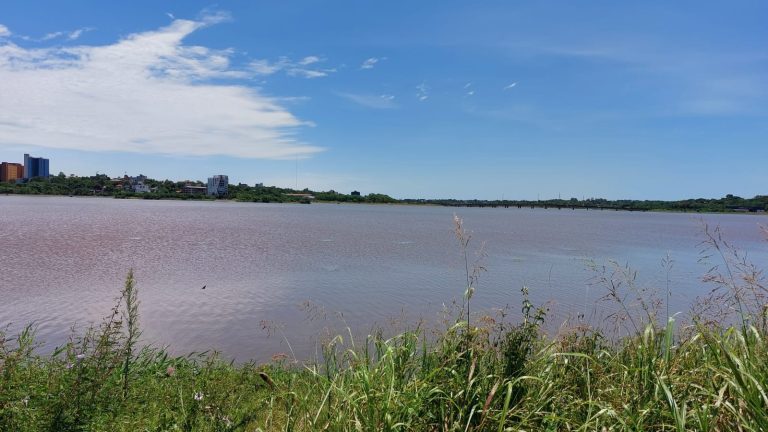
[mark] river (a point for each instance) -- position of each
(279, 276)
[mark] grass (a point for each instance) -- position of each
(473, 375)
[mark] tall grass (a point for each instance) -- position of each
(475, 375)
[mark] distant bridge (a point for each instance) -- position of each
(544, 206)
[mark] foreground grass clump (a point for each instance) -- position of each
(473, 375)
(499, 377)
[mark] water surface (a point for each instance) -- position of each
(278, 274)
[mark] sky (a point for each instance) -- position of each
(428, 99)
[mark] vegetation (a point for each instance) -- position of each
(102, 185)
(98, 185)
(479, 373)
(729, 203)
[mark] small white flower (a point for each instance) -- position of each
(25, 401)
(198, 396)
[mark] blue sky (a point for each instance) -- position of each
(432, 99)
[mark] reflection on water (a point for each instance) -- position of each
(63, 260)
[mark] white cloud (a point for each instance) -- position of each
(68, 35)
(309, 73)
(309, 60)
(422, 92)
(4, 32)
(147, 93)
(371, 62)
(75, 34)
(294, 99)
(264, 67)
(371, 101)
(291, 68)
(49, 36)
(511, 86)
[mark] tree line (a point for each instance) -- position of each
(103, 185)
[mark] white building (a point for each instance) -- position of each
(133, 184)
(218, 185)
(140, 187)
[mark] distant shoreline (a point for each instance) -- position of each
(142, 187)
(415, 203)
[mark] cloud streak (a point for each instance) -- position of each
(67, 35)
(291, 68)
(422, 92)
(74, 35)
(469, 91)
(371, 62)
(384, 101)
(510, 87)
(309, 60)
(146, 93)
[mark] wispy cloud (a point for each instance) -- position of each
(309, 60)
(146, 93)
(384, 101)
(74, 35)
(291, 68)
(294, 99)
(310, 73)
(510, 86)
(422, 92)
(210, 16)
(48, 36)
(4, 32)
(371, 62)
(68, 35)
(265, 67)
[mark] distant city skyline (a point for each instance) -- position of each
(434, 99)
(29, 167)
(35, 167)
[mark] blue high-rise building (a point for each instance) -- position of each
(218, 185)
(35, 167)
